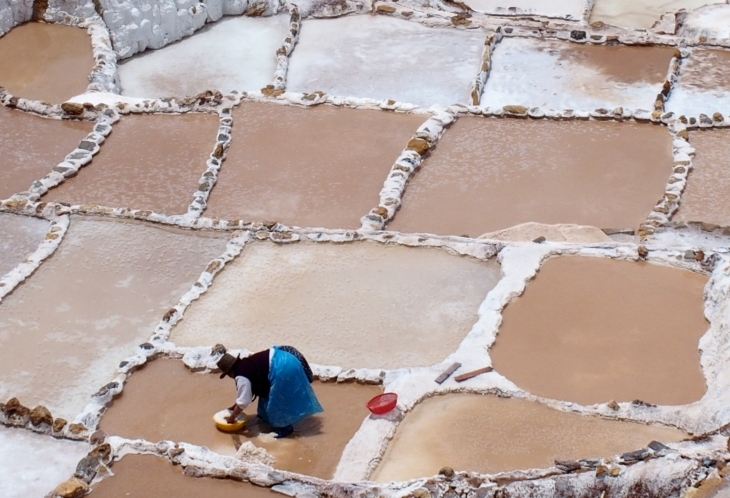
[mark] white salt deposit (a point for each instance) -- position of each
(541, 73)
(237, 53)
(385, 58)
(19, 237)
(704, 84)
(640, 13)
(569, 9)
(31, 465)
(711, 21)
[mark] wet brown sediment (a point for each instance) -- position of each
(46, 62)
(706, 70)
(316, 167)
(63, 331)
(143, 476)
(19, 237)
(705, 196)
(485, 176)
(32, 146)
(591, 330)
(150, 162)
(356, 305)
(165, 401)
(485, 433)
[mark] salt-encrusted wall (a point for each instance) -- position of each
(14, 12)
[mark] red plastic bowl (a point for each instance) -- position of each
(382, 403)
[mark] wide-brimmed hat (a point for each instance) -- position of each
(226, 363)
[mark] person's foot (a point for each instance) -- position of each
(283, 432)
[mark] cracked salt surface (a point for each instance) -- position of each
(704, 84)
(385, 58)
(19, 237)
(563, 75)
(236, 53)
(31, 465)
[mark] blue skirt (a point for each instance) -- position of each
(291, 397)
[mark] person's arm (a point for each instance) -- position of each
(243, 399)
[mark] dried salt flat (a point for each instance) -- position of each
(236, 53)
(704, 84)
(640, 13)
(384, 58)
(63, 332)
(356, 305)
(19, 237)
(31, 465)
(563, 75)
(568, 9)
(710, 21)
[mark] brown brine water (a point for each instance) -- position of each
(591, 330)
(318, 167)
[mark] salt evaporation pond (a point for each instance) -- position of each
(32, 146)
(185, 403)
(32, 465)
(491, 434)
(19, 237)
(150, 162)
(236, 53)
(46, 62)
(640, 13)
(570, 9)
(704, 84)
(384, 58)
(320, 167)
(563, 75)
(603, 174)
(148, 475)
(705, 196)
(86, 308)
(357, 305)
(711, 21)
(592, 330)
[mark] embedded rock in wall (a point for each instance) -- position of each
(13, 12)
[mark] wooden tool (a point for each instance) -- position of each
(473, 373)
(447, 373)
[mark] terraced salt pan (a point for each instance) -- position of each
(87, 307)
(641, 13)
(148, 475)
(32, 146)
(485, 176)
(563, 75)
(704, 84)
(322, 166)
(237, 53)
(490, 434)
(569, 9)
(19, 237)
(591, 330)
(385, 58)
(46, 62)
(712, 21)
(356, 305)
(32, 465)
(705, 196)
(185, 402)
(149, 162)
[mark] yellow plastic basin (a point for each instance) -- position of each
(220, 421)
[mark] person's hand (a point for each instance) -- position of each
(230, 419)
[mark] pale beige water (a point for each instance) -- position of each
(355, 305)
(149, 162)
(46, 62)
(591, 330)
(602, 174)
(705, 196)
(63, 331)
(490, 434)
(32, 146)
(165, 401)
(146, 476)
(642, 13)
(19, 237)
(318, 167)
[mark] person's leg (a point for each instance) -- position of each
(282, 432)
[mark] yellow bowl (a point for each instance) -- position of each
(220, 421)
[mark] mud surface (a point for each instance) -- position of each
(46, 62)
(484, 176)
(150, 162)
(184, 404)
(319, 167)
(490, 434)
(19, 237)
(591, 330)
(355, 305)
(32, 146)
